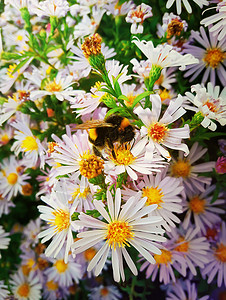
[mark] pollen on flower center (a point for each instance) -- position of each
(154, 195)
(214, 57)
(29, 144)
(10, 70)
(52, 86)
(123, 155)
(164, 258)
(104, 291)
(182, 245)
(51, 285)
(23, 290)
(89, 253)
(181, 168)
(4, 139)
(164, 94)
(157, 132)
(220, 253)
(174, 28)
(92, 45)
(62, 219)
(139, 14)
(118, 233)
(197, 205)
(212, 107)
(60, 266)
(23, 95)
(12, 178)
(51, 146)
(83, 194)
(90, 165)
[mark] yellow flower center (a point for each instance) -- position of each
(19, 37)
(213, 57)
(130, 100)
(90, 165)
(118, 233)
(123, 155)
(181, 168)
(197, 205)
(60, 266)
(4, 139)
(23, 95)
(157, 132)
(92, 45)
(183, 245)
(89, 253)
(29, 144)
(83, 194)
(164, 94)
(212, 107)
(220, 253)
(154, 195)
(51, 146)
(51, 285)
(104, 291)
(12, 178)
(174, 28)
(62, 219)
(10, 70)
(164, 258)
(23, 290)
(52, 86)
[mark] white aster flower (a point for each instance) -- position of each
(156, 131)
(57, 8)
(200, 3)
(5, 205)
(58, 215)
(25, 287)
(107, 292)
(211, 55)
(4, 239)
(210, 102)
(164, 56)
(121, 228)
(4, 292)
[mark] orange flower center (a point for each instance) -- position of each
(104, 291)
(211, 106)
(164, 258)
(123, 155)
(154, 195)
(213, 57)
(197, 205)
(51, 285)
(183, 245)
(23, 290)
(157, 132)
(91, 165)
(60, 266)
(174, 28)
(220, 253)
(118, 233)
(89, 253)
(181, 168)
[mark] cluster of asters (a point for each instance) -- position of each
(148, 206)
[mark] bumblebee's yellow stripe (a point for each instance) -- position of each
(125, 122)
(93, 134)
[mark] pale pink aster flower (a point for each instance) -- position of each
(125, 227)
(132, 160)
(188, 172)
(6, 134)
(4, 291)
(165, 264)
(117, 9)
(183, 290)
(200, 3)
(211, 57)
(219, 29)
(4, 239)
(217, 261)
(30, 233)
(12, 177)
(53, 291)
(46, 181)
(105, 292)
(114, 68)
(162, 191)
(74, 154)
(57, 8)
(28, 144)
(64, 273)
(204, 212)
(210, 102)
(25, 287)
(164, 56)
(156, 132)
(5, 205)
(138, 15)
(221, 165)
(60, 226)
(189, 245)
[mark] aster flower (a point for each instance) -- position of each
(4, 240)
(64, 273)
(164, 56)
(132, 160)
(156, 132)
(162, 191)
(57, 8)
(221, 165)
(219, 29)
(25, 287)
(12, 178)
(121, 228)
(31, 232)
(189, 173)
(58, 215)
(4, 292)
(211, 56)
(204, 212)
(186, 4)
(28, 144)
(183, 290)
(138, 15)
(53, 291)
(217, 263)
(6, 135)
(107, 292)
(5, 205)
(117, 9)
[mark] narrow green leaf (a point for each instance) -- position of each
(21, 64)
(140, 97)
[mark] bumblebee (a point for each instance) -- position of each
(105, 133)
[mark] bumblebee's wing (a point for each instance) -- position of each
(92, 124)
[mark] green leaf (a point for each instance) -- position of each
(140, 97)
(21, 64)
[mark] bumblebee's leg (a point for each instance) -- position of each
(111, 146)
(97, 152)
